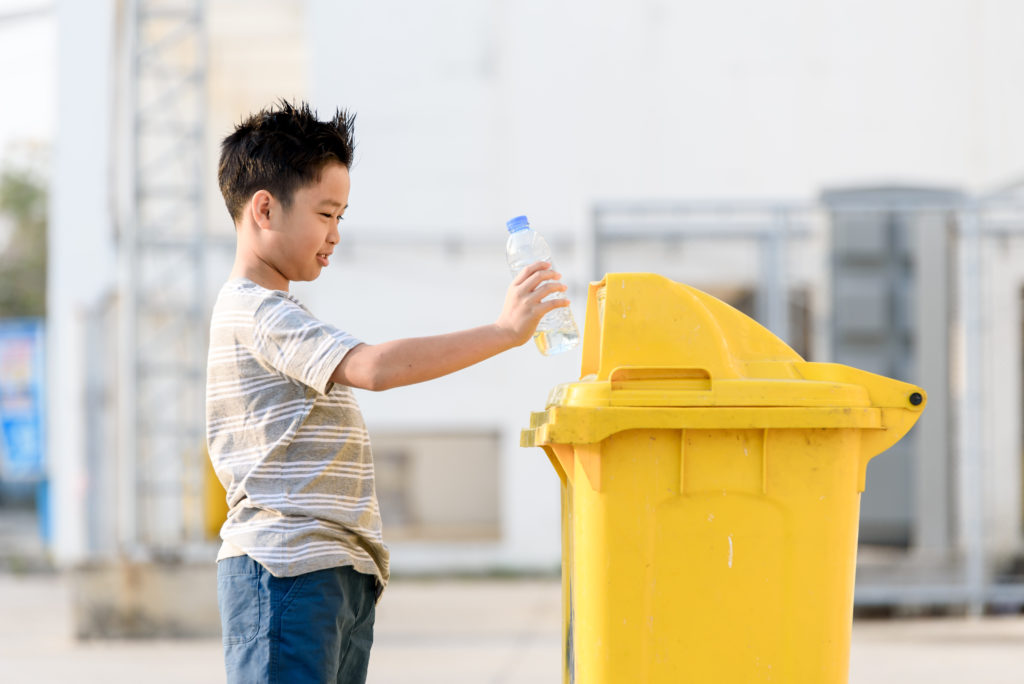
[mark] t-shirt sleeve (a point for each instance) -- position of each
(298, 344)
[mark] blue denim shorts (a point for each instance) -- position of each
(315, 628)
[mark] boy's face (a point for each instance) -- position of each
(304, 234)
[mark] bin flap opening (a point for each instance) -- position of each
(643, 320)
(642, 377)
(650, 342)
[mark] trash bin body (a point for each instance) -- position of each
(711, 485)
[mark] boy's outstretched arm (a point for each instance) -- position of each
(415, 359)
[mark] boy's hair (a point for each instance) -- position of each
(281, 149)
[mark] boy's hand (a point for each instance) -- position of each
(523, 306)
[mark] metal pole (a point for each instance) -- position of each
(593, 248)
(200, 257)
(972, 526)
(772, 300)
(128, 251)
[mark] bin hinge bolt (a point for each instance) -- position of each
(916, 399)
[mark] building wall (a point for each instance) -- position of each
(475, 109)
(255, 54)
(82, 264)
(256, 51)
(472, 112)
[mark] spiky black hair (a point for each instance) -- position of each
(281, 149)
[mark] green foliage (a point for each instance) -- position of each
(23, 253)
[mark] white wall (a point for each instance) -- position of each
(82, 265)
(471, 112)
(476, 110)
(255, 55)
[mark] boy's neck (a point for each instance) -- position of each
(260, 273)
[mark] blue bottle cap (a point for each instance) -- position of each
(517, 224)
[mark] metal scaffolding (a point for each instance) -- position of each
(770, 227)
(949, 560)
(161, 251)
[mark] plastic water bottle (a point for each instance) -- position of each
(557, 331)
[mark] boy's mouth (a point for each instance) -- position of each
(322, 257)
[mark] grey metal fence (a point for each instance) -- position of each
(897, 281)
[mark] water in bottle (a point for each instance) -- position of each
(557, 331)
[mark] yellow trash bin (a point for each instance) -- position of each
(711, 484)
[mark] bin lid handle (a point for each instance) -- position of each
(654, 378)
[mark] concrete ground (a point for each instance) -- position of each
(479, 631)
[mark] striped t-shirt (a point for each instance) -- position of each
(289, 446)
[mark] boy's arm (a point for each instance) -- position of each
(412, 360)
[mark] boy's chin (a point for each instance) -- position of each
(306, 275)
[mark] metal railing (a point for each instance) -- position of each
(774, 228)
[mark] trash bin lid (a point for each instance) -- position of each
(657, 353)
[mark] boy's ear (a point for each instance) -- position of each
(259, 208)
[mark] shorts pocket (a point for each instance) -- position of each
(239, 602)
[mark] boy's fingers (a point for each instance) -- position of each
(534, 281)
(547, 289)
(554, 304)
(531, 270)
(551, 305)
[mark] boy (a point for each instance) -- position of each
(303, 562)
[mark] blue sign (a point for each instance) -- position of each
(22, 400)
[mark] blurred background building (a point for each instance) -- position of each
(846, 172)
